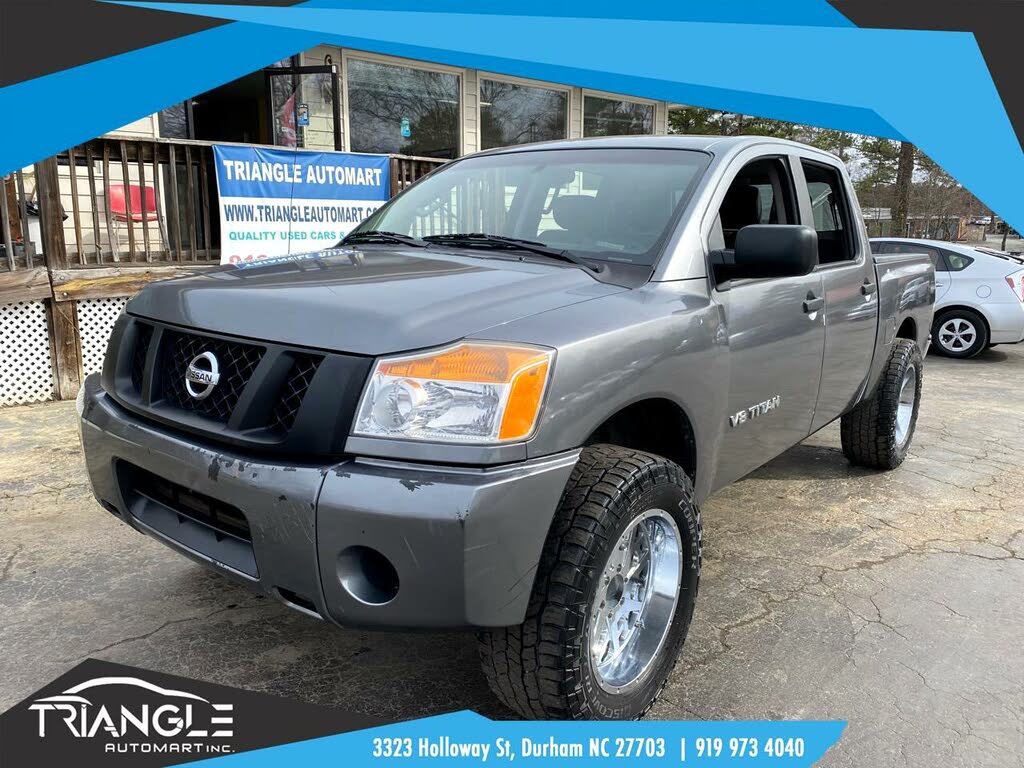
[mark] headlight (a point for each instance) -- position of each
(474, 392)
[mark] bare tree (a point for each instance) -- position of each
(904, 181)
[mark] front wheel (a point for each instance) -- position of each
(877, 433)
(613, 596)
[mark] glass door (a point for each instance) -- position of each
(304, 107)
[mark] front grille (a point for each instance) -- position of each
(269, 398)
(237, 362)
(293, 391)
(144, 335)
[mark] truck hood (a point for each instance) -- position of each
(369, 302)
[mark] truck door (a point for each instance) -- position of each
(848, 278)
(775, 327)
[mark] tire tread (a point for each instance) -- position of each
(868, 432)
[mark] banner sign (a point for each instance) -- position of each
(280, 202)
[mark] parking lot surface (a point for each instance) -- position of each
(892, 600)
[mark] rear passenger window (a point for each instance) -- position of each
(932, 253)
(831, 213)
(957, 261)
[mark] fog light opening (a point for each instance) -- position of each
(367, 575)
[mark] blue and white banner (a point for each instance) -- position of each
(278, 202)
(468, 740)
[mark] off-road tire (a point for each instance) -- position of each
(981, 340)
(869, 431)
(541, 668)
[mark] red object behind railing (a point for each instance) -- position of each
(137, 211)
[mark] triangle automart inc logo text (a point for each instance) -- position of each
(104, 714)
(133, 716)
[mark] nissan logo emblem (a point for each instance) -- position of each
(202, 375)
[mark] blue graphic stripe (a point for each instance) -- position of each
(355, 749)
(49, 114)
(822, 73)
(838, 77)
(793, 12)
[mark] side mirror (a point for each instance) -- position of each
(774, 250)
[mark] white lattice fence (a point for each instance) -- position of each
(26, 365)
(95, 321)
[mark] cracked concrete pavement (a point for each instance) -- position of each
(892, 600)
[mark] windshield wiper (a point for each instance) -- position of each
(483, 240)
(375, 236)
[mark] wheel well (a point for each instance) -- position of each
(962, 307)
(908, 330)
(657, 426)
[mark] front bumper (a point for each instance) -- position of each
(463, 543)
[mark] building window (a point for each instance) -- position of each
(402, 110)
(176, 121)
(616, 117)
(511, 113)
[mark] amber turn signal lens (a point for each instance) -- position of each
(482, 363)
(524, 402)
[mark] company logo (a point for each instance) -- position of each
(202, 375)
(133, 716)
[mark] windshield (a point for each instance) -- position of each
(604, 204)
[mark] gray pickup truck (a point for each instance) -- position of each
(500, 401)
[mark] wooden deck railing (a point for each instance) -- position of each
(118, 204)
(148, 199)
(101, 220)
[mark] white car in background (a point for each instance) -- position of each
(979, 294)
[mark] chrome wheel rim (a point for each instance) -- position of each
(957, 334)
(905, 406)
(635, 600)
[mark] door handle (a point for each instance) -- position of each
(868, 287)
(813, 303)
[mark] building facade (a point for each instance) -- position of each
(355, 101)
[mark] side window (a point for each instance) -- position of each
(937, 261)
(761, 193)
(831, 212)
(957, 261)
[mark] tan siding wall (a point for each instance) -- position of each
(145, 127)
(661, 118)
(470, 111)
(576, 113)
